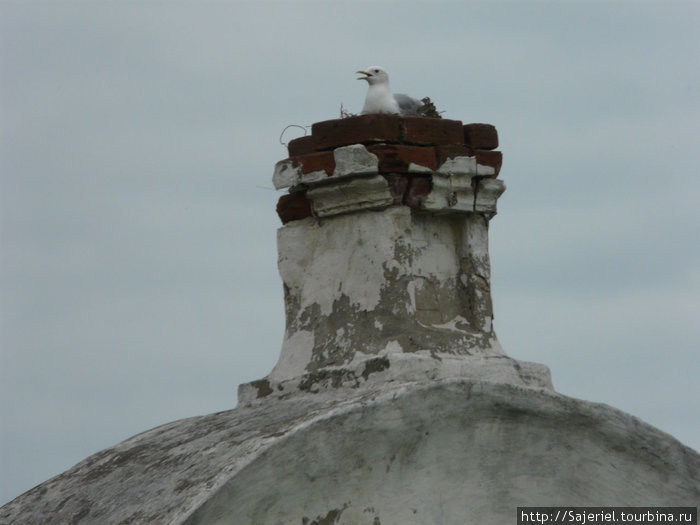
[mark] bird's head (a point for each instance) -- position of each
(374, 75)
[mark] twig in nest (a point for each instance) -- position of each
(428, 109)
(345, 114)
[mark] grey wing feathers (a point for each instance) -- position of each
(408, 105)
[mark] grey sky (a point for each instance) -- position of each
(139, 280)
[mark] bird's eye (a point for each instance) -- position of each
(375, 70)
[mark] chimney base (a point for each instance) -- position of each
(368, 374)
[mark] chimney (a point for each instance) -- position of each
(384, 257)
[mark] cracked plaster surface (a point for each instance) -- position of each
(358, 281)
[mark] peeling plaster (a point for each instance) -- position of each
(286, 175)
(294, 363)
(392, 347)
(485, 171)
(459, 165)
(313, 176)
(354, 160)
(417, 168)
(356, 282)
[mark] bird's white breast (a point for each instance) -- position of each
(380, 100)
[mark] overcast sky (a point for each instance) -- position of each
(139, 279)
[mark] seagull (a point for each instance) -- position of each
(380, 99)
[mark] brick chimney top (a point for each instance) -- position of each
(407, 149)
(383, 254)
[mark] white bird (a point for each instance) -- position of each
(380, 99)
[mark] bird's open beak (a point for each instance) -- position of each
(360, 72)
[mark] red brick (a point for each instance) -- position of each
(418, 188)
(395, 158)
(301, 146)
(322, 160)
(293, 206)
(481, 136)
(489, 158)
(433, 131)
(364, 129)
(397, 186)
(451, 151)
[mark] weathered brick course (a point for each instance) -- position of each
(489, 158)
(301, 146)
(397, 158)
(365, 129)
(418, 188)
(432, 131)
(398, 143)
(480, 136)
(450, 151)
(322, 160)
(293, 206)
(397, 186)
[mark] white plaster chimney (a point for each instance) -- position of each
(384, 257)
